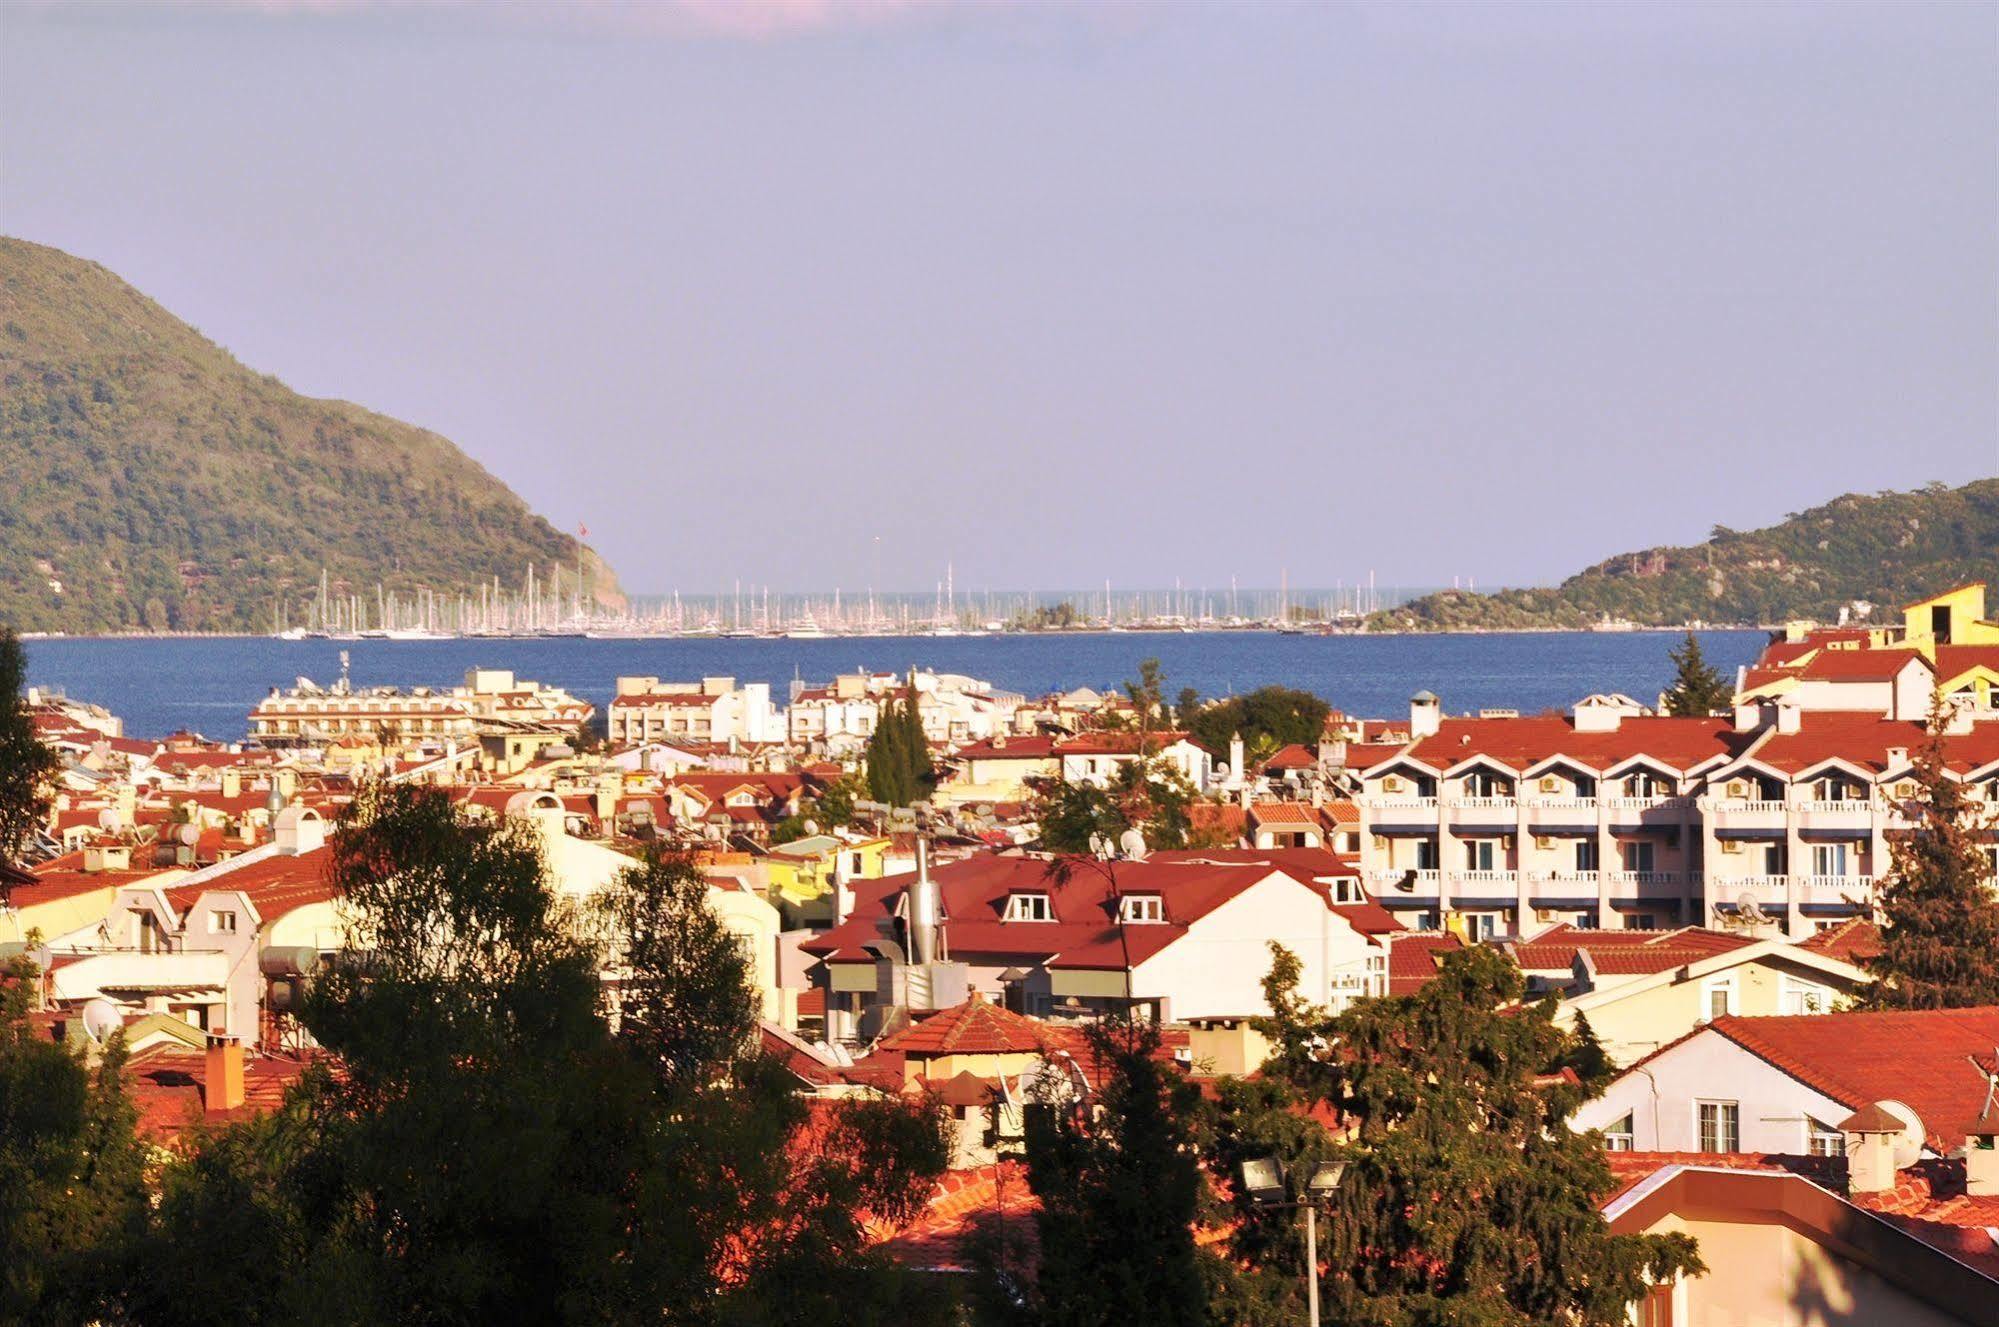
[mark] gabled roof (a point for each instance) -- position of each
(1854, 940)
(1928, 1059)
(1413, 959)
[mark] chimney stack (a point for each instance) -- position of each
(1871, 1134)
(222, 1084)
(1981, 1151)
(1426, 712)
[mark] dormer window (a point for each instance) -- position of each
(221, 922)
(1644, 783)
(1141, 908)
(1346, 889)
(1029, 908)
(1485, 783)
(1833, 788)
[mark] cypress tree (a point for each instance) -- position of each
(920, 772)
(887, 768)
(1940, 917)
(27, 764)
(1697, 688)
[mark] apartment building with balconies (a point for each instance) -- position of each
(1499, 824)
(1777, 821)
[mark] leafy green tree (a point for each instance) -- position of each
(833, 808)
(1447, 1093)
(1267, 718)
(1120, 1185)
(72, 1196)
(508, 1139)
(1697, 688)
(1150, 795)
(27, 764)
(1940, 915)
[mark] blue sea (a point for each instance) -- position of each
(208, 685)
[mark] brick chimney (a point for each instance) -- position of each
(222, 1083)
(1871, 1134)
(1981, 1154)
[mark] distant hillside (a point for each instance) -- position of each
(1884, 549)
(163, 485)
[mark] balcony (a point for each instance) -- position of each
(1486, 811)
(1389, 884)
(1831, 888)
(1573, 806)
(1658, 884)
(1858, 817)
(1766, 889)
(1729, 813)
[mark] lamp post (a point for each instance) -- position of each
(1263, 1181)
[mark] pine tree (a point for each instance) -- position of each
(920, 771)
(72, 1194)
(1697, 688)
(505, 1141)
(1467, 1197)
(1940, 915)
(27, 764)
(1120, 1186)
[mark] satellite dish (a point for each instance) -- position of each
(811, 827)
(1748, 909)
(984, 809)
(190, 835)
(1222, 770)
(1131, 845)
(1099, 846)
(108, 818)
(100, 1019)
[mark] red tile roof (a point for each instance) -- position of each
(1675, 743)
(976, 1027)
(168, 1082)
(1623, 953)
(961, 1201)
(1928, 1059)
(1413, 959)
(1854, 940)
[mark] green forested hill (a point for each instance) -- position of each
(163, 485)
(1884, 548)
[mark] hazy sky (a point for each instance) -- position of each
(1065, 292)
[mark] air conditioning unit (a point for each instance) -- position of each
(1543, 842)
(1391, 784)
(1731, 845)
(1551, 784)
(1544, 914)
(1381, 843)
(1506, 842)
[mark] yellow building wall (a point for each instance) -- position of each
(943, 1068)
(58, 916)
(1967, 619)
(1761, 1275)
(316, 926)
(1645, 1020)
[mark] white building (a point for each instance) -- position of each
(713, 710)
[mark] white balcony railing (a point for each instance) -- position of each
(1647, 879)
(1835, 884)
(1859, 810)
(1425, 881)
(1390, 803)
(1477, 879)
(1575, 879)
(1552, 803)
(1764, 886)
(1662, 802)
(1484, 804)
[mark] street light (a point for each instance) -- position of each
(1263, 1181)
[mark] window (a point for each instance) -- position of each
(1426, 854)
(1832, 788)
(1481, 925)
(1639, 856)
(1484, 783)
(1641, 921)
(1586, 854)
(1991, 851)
(1829, 859)
(1142, 908)
(1776, 859)
(1644, 783)
(1585, 785)
(1656, 1309)
(1822, 1140)
(1481, 855)
(1802, 997)
(221, 923)
(1029, 908)
(1719, 1125)
(1718, 998)
(1618, 1137)
(1346, 889)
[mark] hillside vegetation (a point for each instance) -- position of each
(149, 481)
(1883, 549)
